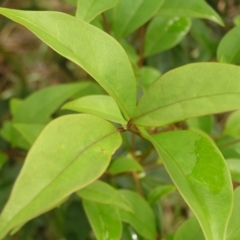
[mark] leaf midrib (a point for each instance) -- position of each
(182, 101)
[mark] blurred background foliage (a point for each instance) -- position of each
(27, 65)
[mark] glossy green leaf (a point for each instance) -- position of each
(232, 125)
(124, 164)
(88, 10)
(201, 175)
(189, 230)
(98, 105)
(234, 167)
(70, 153)
(189, 91)
(191, 9)
(228, 49)
(104, 193)
(29, 132)
(204, 123)
(142, 220)
(157, 193)
(39, 106)
(148, 75)
(92, 49)
(233, 230)
(3, 159)
(130, 14)
(104, 219)
(164, 33)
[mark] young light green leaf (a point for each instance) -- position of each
(3, 159)
(70, 153)
(92, 49)
(191, 9)
(236, 20)
(189, 230)
(39, 106)
(88, 10)
(228, 49)
(201, 175)
(102, 192)
(98, 105)
(125, 21)
(124, 164)
(104, 219)
(142, 220)
(189, 91)
(234, 167)
(164, 33)
(29, 132)
(233, 230)
(232, 125)
(157, 193)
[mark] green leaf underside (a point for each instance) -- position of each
(142, 220)
(164, 33)
(189, 91)
(192, 9)
(189, 230)
(98, 105)
(70, 153)
(92, 49)
(88, 10)
(125, 21)
(200, 173)
(124, 164)
(29, 132)
(228, 49)
(104, 193)
(157, 193)
(233, 230)
(104, 219)
(39, 106)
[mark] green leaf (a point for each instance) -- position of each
(3, 159)
(234, 167)
(228, 49)
(104, 219)
(92, 49)
(189, 230)
(88, 10)
(130, 14)
(148, 76)
(124, 164)
(15, 103)
(142, 220)
(11, 135)
(189, 91)
(39, 106)
(232, 125)
(233, 230)
(164, 33)
(157, 193)
(191, 9)
(98, 105)
(29, 132)
(104, 193)
(204, 123)
(70, 153)
(201, 175)
(236, 20)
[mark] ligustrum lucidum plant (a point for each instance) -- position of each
(142, 115)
